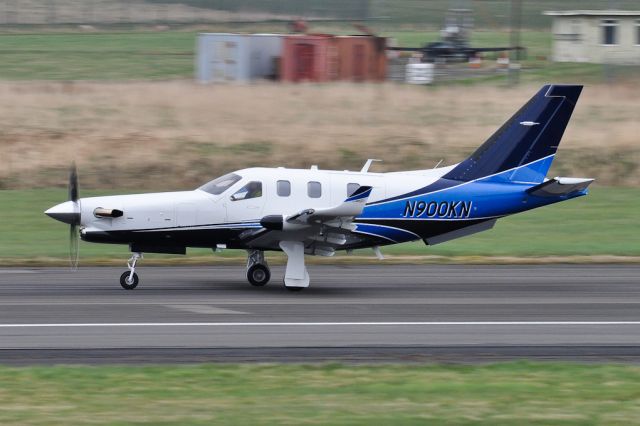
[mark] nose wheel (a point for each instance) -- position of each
(129, 279)
(258, 273)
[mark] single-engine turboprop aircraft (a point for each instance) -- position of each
(318, 212)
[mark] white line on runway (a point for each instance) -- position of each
(321, 324)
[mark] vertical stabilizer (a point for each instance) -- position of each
(529, 138)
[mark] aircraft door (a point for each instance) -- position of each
(247, 203)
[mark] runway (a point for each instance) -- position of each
(351, 313)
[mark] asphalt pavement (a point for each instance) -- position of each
(363, 313)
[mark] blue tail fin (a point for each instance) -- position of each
(529, 138)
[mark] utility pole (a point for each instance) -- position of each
(515, 22)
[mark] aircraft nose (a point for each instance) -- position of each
(67, 212)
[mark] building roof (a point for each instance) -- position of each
(611, 12)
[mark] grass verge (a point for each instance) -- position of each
(603, 226)
(499, 394)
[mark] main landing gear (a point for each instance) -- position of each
(258, 272)
(129, 279)
(296, 276)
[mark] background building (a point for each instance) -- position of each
(596, 36)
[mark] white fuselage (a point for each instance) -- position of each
(198, 207)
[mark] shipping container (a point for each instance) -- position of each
(223, 57)
(308, 58)
(330, 58)
(361, 58)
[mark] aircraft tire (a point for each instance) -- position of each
(123, 281)
(258, 275)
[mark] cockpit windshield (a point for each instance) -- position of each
(221, 184)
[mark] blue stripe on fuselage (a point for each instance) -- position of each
(492, 196)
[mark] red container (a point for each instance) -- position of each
(322, 57)
(361, 58)
(308, 58)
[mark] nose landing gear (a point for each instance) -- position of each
(258, 273)
(129, 279)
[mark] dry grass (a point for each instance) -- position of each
(178, 134)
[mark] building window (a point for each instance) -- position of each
(314, 189)
(609, 32)
(284, 188)
(351, 188)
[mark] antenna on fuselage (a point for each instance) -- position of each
(439, 162)
(366, 166)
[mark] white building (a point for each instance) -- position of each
(596, 36)
(223, 57)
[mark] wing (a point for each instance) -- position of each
(407, 49)
(492, 49)
(321, 229)
(347, 211)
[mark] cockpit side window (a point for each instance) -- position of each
(221, 184)
(251, 190)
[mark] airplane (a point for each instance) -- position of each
(452, 51)
(454, 41)
(319, 212)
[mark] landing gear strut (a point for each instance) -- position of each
(258, 272)
(296, 276)
(129, 279)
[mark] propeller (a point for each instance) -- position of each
(74, 222)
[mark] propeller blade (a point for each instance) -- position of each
(73, 183)
(74, 246)
(74, 236)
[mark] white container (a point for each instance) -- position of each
(223, 57)
(419, 73)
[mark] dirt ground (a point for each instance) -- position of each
(175, 135)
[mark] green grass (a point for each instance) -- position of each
(500, 394)
(114, 56)
(606, 222)
(99, 56)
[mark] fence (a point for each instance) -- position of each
(109, 12)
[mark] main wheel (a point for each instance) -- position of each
(258, 275)
(126, 283)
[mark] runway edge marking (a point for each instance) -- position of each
(322, 324)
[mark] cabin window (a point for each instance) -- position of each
(351, 188)
(637, 32)
(284, 188)
(221, 184)
(250, 190)
(314, 189)
(609, 32)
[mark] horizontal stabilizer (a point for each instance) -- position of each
(559, 186)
